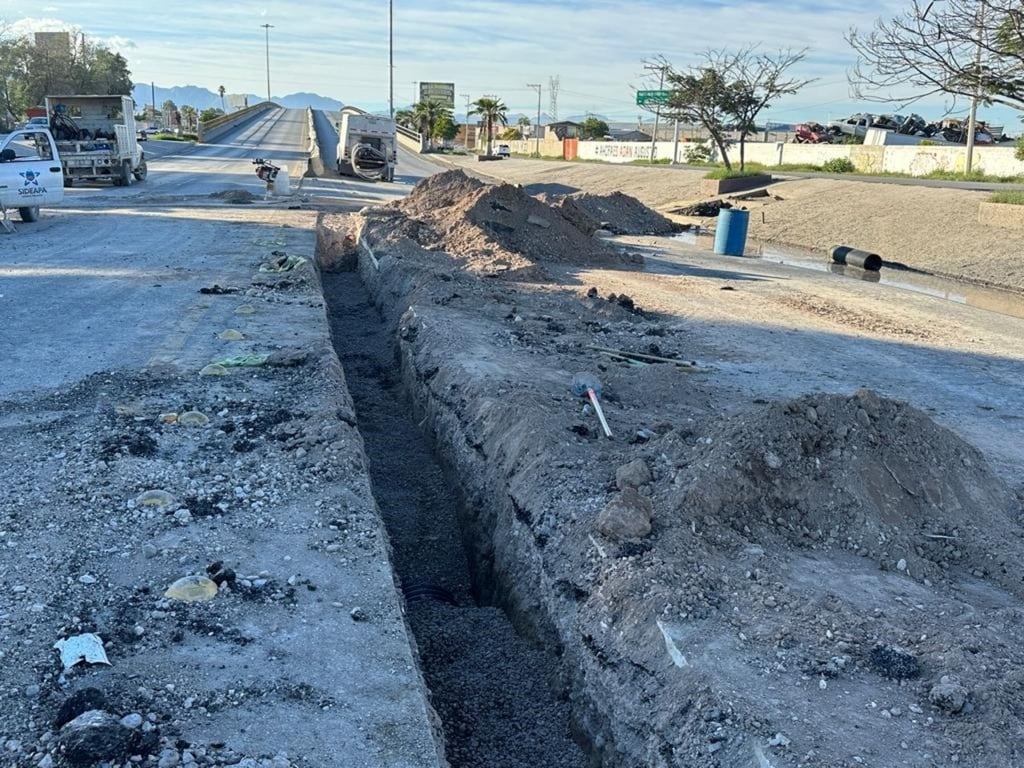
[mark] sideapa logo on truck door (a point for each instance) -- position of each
(31, 185)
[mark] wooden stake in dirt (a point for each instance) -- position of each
(589, 385)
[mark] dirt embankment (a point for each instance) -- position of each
(828, 581)
(932, 229)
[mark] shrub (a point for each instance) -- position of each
(735, 173)
(838, 165)
(697, 153)
(1019, 154)
(927, 143)
(1007, 198)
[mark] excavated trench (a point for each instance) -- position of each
(497, 692)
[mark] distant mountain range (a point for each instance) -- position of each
(203, 98)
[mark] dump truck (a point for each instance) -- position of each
(30, 174)
(367, 146)
(96, 137)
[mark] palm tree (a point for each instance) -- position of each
(222, 90)
(426, 115)
(405, 117)
(189, 114)
(491, 111)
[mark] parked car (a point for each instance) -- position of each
(503, 150)
(141, 134)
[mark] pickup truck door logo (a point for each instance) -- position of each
(31, 186)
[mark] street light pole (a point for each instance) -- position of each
(391, 57)
(537, 86)
(466, 97)
(268, 27)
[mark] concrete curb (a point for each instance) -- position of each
(216, 128)
(1001, 215)
(316, 161)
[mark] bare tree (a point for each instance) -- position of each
(960, 48)
(756, 80)
(728, 90)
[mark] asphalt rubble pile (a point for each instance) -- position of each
(617, 213)
(826, 582)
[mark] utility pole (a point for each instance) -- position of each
(415, 92)
(466, 97)
(152, 97)
(537, 87)
(657, 112)
(268, 27)
(391, 57)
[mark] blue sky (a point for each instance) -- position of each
(340, 48)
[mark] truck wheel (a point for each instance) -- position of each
(140, 171)
(126, 174)
(68, 181)
(29, 215)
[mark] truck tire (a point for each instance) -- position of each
(69, 182)
(126, 174)
(28, 215)
(140, 171)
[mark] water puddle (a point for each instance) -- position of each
(996, 300)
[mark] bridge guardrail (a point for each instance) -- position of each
(211, 129)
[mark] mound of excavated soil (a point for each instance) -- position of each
(861, 473)
(617, 212)
(489, 228)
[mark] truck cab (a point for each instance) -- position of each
(31, 176)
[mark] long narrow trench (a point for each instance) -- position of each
(492, 688)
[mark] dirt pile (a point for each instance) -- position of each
(861, 473)
(494, 229)
(617, 212)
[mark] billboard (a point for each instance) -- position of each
(441, 92)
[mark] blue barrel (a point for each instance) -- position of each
(731, 234)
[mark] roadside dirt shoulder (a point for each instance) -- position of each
(204, 527)
(935, 230)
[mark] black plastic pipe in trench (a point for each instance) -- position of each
(846, 254)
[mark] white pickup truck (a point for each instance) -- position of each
(30, 173)
(97, 138)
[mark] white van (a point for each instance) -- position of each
(503, 151)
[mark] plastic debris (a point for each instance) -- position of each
(231, 335)
(192, 589)
(168, 418)
(245, 309)
(154, 498)
(213, 370)
(283, 262)
(87, 647)
(241, 361)
(193, 419)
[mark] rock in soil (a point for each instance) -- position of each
(94, 736)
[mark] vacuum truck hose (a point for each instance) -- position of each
(364, 154)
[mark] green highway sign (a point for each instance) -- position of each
(652, 97)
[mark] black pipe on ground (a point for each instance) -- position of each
(846, 254)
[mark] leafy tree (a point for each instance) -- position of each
(961, 48)
(491, 111)
(593, 128)
(221, 90)
(446, 129)
(511, 134)
(29, 73)
(210, 113)
(169, 109)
